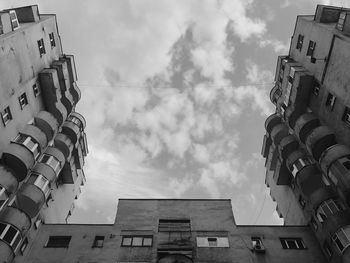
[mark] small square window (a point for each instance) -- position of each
(330, 102)
(58, 241)
(6, 115)
(212, 241)
(147, 242)
(52, 40)
(300, 42)
(36, 89)
(346, 115)
(127, 241)
(23, 101)
(14, 20)
(311, 48)
(341, 20)
(98, 241)
(41, 47)
(137, 241)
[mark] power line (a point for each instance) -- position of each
(261, 209)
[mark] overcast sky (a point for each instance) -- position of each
(175, 94)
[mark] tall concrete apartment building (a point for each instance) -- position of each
(307, 141)
(173, 231)
(42, 139)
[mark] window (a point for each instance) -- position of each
(330, 102)
(292, 243)
(326, 209)
(137, 241)
(341, 20)
(14, 20)
(3, 197)
(6, 115)
(41, 47)
(314, 223)
(341, 238)
(302, 202)
(300, 42)
(23, 101)
(29, 143)
(52, 161)
(24, 246)
(316, 89)
(98, 241)
(58, 241)
(52, 40)
(10, 235)
(311, 48)
(299, 165)
(212, 242)
(346, 115)
(36, 89)
(174, 225)
(1, 28)
(76, 121)
(339, 167)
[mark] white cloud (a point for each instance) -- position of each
(278, 46)
(201, 153)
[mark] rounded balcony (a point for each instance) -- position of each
(6, 252)
(336, 221)
(36, 134)
(45, 170)
(80, 117)
(64, 144)
(47, 123)
(322, 194)
(319, 140)
(292, 114)
(30, 198)
(57, 154)
(331, 154)
(309, 179)
(8, 180)
(275, 94)
(16, 217)
(305, 124)
(288, 145)
(271, 121)
(75, 91)
(19, 159)
(278, 133)
(293, 157)
(72, 130)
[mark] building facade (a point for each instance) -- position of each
(42, 139)
(307, 141)
(173, 230)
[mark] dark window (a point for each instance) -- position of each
(257, 243)
(23, 101)
(316, 89)
(52, 40)
(311, 48)
(6, 115)
(41, 47)
(292, 243)
(327, 248)
(137, 241)
(212, 241)
(302, 202)
(1, 28)
(58, 241)
(174, 225)
(330, 102)
(36, 89)
(98, 241)
(300, 42)
(314, 223)
(10, 234)
(346, 115)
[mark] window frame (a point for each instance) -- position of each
(215, 242)
(298, 242)
(23, 100)
(98, 241)
(28, 143)
(300, 42)
(311, 49)
(59, 245)
(14, 243)
(327, 208)
(6, 115)
(330, 101)
(36, 89)
(346, 115)
(336, 238)
(14, 20)
(41, 47)
(56, 165)
(52, 40)
(341, 21)
(125, 237)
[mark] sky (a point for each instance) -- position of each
(175, 95)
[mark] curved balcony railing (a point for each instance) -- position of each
(318, 140)
(309, 179)
(305, 124)
(72, 130)
(78, 119)
(54, 158)
(8, 185)
(47, 123)
(64, 144)
(272, 121)
(30, 198)
(278, 133)
(49, 82)
(331, 154)
(287, 145)
(275, 94)
(36, 134)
